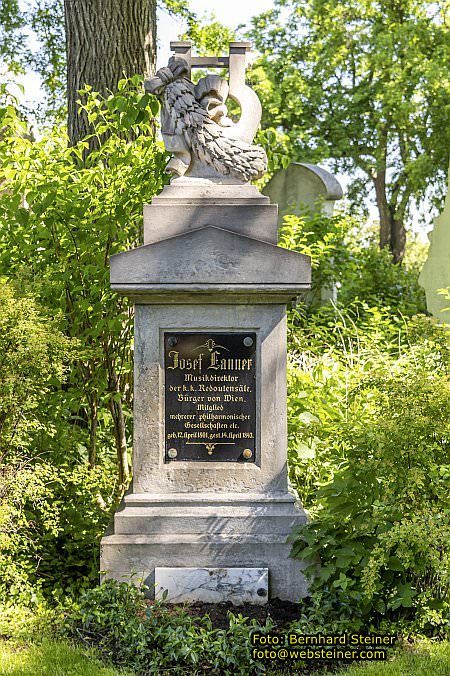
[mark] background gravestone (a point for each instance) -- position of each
(302, 190)
(435, 274)
(303, 187)
(209, 511)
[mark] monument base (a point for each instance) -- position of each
(186, 530)
(238, 586)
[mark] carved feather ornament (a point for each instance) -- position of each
(197, 130)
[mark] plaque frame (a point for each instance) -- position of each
(255, 460)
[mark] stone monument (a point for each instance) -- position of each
(304, 189)
(435, 273)
(209, 510)
(303, 186)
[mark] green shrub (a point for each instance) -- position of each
(381, 516)
(63, 213)
(344, 258)
(34, 358)
(51, 522)
(329, 352)
(51, 516)
(66, 357)
(151, 638)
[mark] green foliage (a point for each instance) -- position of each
(373, 278)
(370, 442)
(364, 83)
(51, 520)
(63, 214)
(324, 240)
(65, 383)
(369, 438)
(209, 36)
(12, 21)
(49, 517)
(34, 358)
(151, 637)
(356, 269)
(45, 54)
(178, 8)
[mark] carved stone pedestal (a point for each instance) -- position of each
(210, 487)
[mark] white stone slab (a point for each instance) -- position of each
(213, 585)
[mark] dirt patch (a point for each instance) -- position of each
(282, 613)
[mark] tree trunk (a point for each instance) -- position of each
(115, 406)
(398, 239)
(93, 405)
(105, 41)
(392, 227)
(379, 181)
(121, 442)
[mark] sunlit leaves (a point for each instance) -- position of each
(62, 215)
(363, 83)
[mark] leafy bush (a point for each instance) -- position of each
(330, 350)
(151, 637)
(51, 521)
(65, 382)
(347, 260)
(63, 213)
(378, 481)
(50, 518)
(34, 356)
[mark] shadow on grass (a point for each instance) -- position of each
(52, 658)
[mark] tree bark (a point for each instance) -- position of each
(115, 406)
(121, 442)
(106, 40)
(392, 227)
(93, 405)
(379, 181)
(397, 242)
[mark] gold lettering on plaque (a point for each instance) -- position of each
(229, 364)
(185, 364)
(210, 397)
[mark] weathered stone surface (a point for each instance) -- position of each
(192, 191)
(210, 255)
(303, 185)
(195, 125)
(213, 585)
(207, 514)
(221, 530)
(151, 473)
(435, 274)
(227, 513)
(209, 266)
(258, 221)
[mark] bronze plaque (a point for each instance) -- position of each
(210, 396)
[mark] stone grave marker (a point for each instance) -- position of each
(435, 274)
(209, 510)
(301, 187)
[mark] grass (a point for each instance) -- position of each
(424, 658)
(51, 658)
(60, 658)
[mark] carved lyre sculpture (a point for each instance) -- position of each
(196, 129)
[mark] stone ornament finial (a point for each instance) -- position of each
(204, 141)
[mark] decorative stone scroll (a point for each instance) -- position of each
(196, 129)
